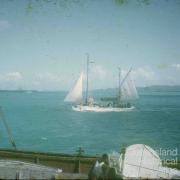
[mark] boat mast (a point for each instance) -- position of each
(119, 92)
(126, 76)
(87, 78)
(87, 74)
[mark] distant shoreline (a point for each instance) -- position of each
(153, 88)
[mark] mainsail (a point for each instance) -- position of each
(128, 90)
(75, 94)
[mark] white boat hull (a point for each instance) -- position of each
(83, 108)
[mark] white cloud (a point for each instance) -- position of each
(99, 72)
(177, 66)
(47, 77)
(4, 24)
(11, 80)
(142, 76)
(11, 76)
(143, 73)
(46, 81)
(106, 78)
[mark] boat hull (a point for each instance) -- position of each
(83, 108)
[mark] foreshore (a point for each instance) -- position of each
(72, 166)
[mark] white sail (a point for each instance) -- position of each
(128, 89)
(75, 94)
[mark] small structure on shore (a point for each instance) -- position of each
(141, 161)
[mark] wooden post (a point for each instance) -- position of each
(36, 160)
(77, 168)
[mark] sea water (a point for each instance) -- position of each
(41, 121)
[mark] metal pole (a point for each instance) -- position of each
(119, 84)
(87, 74)
(7, 128)
(126, 76)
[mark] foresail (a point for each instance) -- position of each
(75, 94)
(128, 89)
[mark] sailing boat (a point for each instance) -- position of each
(127, 90)
(75, 95)
(126, 93)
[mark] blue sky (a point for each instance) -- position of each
(43, 44)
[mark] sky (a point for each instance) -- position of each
(43, 43)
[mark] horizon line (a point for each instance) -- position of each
(55, 90)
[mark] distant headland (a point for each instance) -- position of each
(153, 88)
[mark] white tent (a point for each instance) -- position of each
(141, 161)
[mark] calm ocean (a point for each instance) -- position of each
(41, 121)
